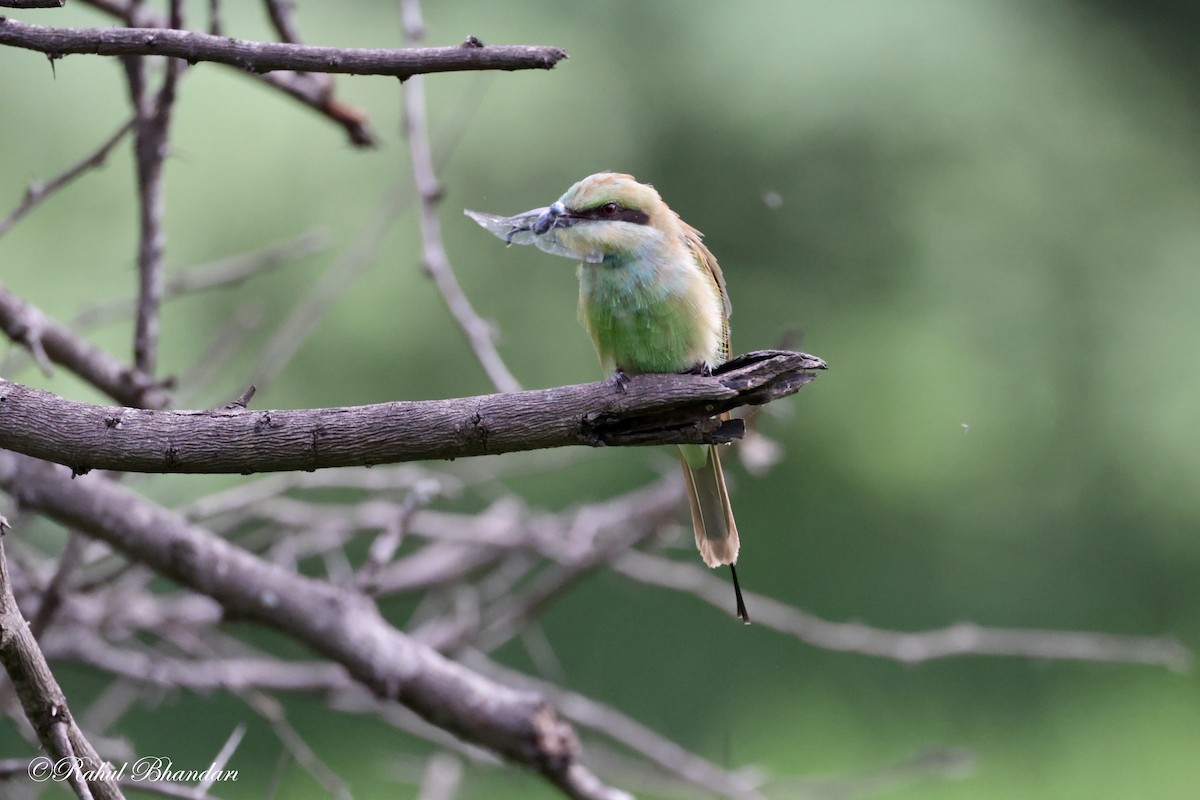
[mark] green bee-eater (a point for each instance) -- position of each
(653, 299)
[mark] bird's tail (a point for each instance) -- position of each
(712, 515)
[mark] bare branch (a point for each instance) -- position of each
(215, 26)
(316, 94)
(653, 409)
(479, 334)
(249, 493)
(342, 625)
(219, 274)
(41, 190)
(41, 697)
(193, 47)
(962, 639)
(282, 16)
(273, 712)
(629, 732)
(590, 536)
(83, 645)
(56, 589)
(151, 129)
(306, 313)
(27, 325)
(32, 3)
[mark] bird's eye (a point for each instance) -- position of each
(609, 209)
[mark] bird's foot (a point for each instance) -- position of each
(703, 368)
(620, 380)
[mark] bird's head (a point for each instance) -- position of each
(609, 214)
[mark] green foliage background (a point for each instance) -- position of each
(988, 227)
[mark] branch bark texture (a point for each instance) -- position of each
(338, 623)
(254, 56)
(40, 696)
(653, 409)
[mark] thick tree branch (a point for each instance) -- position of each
(961, 639)
(40, 695)
(342, 625)
(653, 409)
(269, 56)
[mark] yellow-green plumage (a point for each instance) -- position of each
(653, 299)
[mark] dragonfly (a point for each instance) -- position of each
(520, 229)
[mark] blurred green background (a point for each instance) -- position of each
(985, 216)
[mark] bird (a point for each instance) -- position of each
(652, 298)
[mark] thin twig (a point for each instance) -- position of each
(206, 377)
(307, 313)
(379, 479)
(273, 712)
(283, 20)
(479, 334)
(962, 639)
(593, 535)
(299, 86)
(939, 763)
(215, 26)
(29, 326)
(56, 589)
(222, 758)
(384, 547)
(39, 191)
(222, 273)
(59, 734)
(629, 732)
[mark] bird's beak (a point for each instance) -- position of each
(553, 217)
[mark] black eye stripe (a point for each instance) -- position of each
(622, 215)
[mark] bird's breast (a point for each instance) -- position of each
(650, 316)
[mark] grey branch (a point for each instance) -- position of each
(40, 190)
(962, 639)
(269, 56)
(342, 625)
(219, 274)
(653, 409)
(480, 335)
(314, 91)
(49, 340)
(41, 697)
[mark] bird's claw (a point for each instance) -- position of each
(620, 380)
